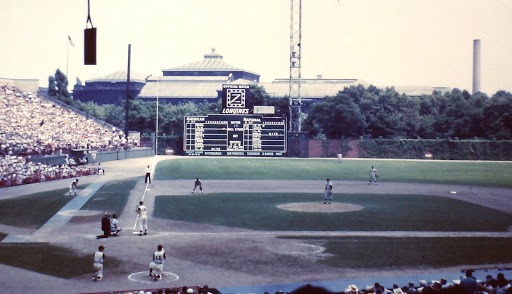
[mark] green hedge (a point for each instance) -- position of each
(440, 149)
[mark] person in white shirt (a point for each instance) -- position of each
(157, 264)
(99, 257)
(148, 175)
(142, 211)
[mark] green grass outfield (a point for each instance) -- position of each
(382, 252)
(258, 211)
(493, 174)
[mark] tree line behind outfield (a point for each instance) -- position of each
(356, 112)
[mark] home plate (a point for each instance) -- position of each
(142, 277)
(453, 192)
(148, 189)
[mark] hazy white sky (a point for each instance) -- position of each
(383, 42)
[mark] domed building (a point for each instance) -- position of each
(198, 81)
(109, 89)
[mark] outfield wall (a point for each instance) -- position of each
(442, 149)
(123, 154)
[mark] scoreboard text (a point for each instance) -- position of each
(234, 135)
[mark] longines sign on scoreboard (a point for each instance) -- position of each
(235, 132)
(235, 135)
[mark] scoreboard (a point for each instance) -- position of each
(234, 135)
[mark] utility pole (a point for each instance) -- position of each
(295, 102)
(127, 104)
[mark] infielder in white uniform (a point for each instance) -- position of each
(157, 264)
(99, 256)
(143, 218)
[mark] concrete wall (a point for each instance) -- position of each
(122, 154)
(26, 85)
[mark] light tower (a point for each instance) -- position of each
(295, 102)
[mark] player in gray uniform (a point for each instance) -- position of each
(157, 264)
(143, 218)
(72, 188)
(328, 191)
(99, 257)
(197, 184)
(373, 175)
(114, 226)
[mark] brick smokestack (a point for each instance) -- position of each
(476, 66)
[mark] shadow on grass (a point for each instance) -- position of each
(258, 211)
(112, 196)
(51, 260)
(27, 211)
(381, 252)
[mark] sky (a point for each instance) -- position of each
(382, 42)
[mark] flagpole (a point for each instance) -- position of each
(67, 58)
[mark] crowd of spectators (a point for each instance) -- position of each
(491, 285)
(18, 170)
(32, 126)
(466, 285)
(176, 290)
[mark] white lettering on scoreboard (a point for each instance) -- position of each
(235, 135)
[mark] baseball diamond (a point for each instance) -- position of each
(210, 239)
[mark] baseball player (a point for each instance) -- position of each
(328, 191)
(157, 264)
(100, 169)
(99, 257)
(373, 176)
(72, 188)
(142, 211)
(114, 226)
(198, 183)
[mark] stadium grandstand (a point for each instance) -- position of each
(38, 138)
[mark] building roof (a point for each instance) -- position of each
(420, 90)
(183, 87)
(120, 76)
(211, 62)
(311, 88)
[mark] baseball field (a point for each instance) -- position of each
(260, 222)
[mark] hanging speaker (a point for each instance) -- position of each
(90, 46)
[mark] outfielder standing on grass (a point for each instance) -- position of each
(328, 191)
(142, 211)
(99, 257)
(373, 176)
(157, 264)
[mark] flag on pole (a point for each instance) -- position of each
(70, 41)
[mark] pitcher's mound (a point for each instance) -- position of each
(320, 207)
